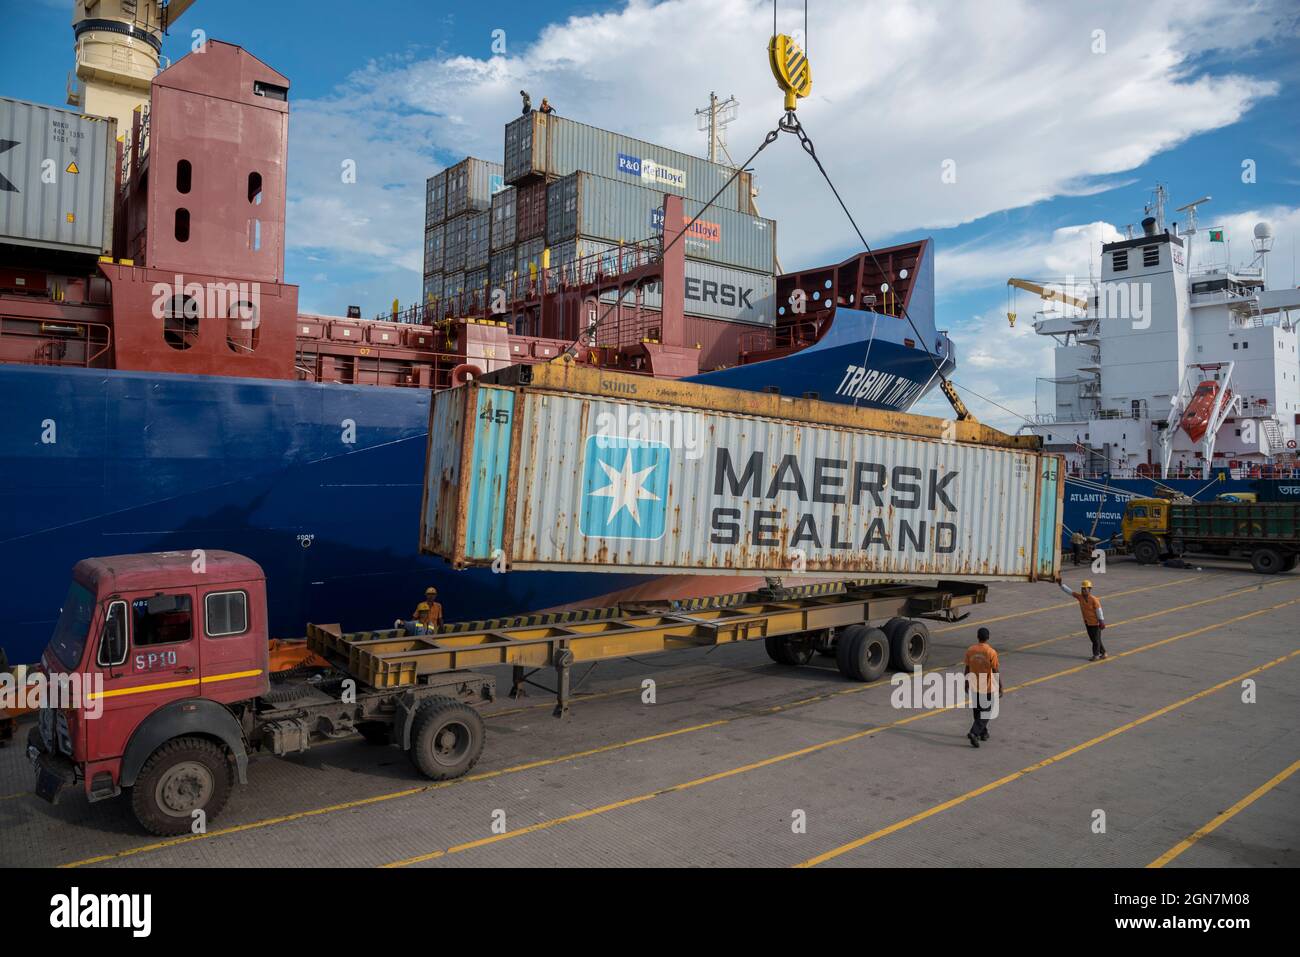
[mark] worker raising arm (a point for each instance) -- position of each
(1094, 619)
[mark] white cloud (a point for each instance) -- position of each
(1008, 90)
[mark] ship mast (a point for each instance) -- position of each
(118, 52)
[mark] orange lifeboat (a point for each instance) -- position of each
(1196, 418)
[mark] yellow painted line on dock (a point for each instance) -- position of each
(859, 735)
(1040, 765)
(1227, 815)
(573, 756)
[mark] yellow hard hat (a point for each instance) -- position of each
(431, 590)
(421, 607)
(1086, 583)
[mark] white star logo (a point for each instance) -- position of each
(625, 488)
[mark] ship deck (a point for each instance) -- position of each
(1156, 742)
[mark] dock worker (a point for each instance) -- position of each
(528, 102)
(418, 624)
(1094, 620)
(983, 680)
(546, 106)
(434, 618)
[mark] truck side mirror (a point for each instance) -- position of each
(112, 641)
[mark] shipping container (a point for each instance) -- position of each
(454, 242)
(585, 206)
(565, 467)
(433, 259)
(433, 287)
(476, 240)
(476, 280)
(58, 178)
(711, 291)
(435, 199)
(538, 144)
(503, 266)
(503, 219)
(470, 185)
(529, 253)
(453, 283)
(530, 212)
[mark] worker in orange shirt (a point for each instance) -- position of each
(435, 608)
(983, 679)
(1093, 618)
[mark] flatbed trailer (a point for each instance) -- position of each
(794, 623)
(183, 691)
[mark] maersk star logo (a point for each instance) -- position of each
(624, 488)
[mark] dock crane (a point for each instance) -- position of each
(1043, 292)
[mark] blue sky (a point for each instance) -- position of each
(1056, 143)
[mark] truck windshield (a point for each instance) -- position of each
(69, 639)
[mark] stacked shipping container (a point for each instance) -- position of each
(457, 218)
(582, 193)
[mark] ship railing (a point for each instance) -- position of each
(53, 340)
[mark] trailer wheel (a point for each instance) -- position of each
(862, 653)
(1266, 561)
(784, 650)
(1146, 551)
(446, 738)
(183, 776)
(909, 645)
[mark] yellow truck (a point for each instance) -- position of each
(1267, 534)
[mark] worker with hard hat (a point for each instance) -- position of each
(1094, 620)
(433, 608)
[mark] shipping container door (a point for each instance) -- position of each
(485, 514)
(1047, 558)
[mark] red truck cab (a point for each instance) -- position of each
(151, 653)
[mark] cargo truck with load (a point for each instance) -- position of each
(1267, 534)
(170, 650)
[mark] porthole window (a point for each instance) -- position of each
(184, 173)
(181, 322)
(182, 227)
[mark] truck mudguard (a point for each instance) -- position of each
(196, 716)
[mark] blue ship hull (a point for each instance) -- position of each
(1096, 507)
(103, 462)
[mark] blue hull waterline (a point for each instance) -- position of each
(103, 462)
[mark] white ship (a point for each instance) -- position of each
(1167, 372)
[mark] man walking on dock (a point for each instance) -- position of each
(983, 680)
(1094, 620)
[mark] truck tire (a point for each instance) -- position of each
(1266, 561)
(909, 646)
(1146, 551)
(446, 738)
(862, 653)
(785, 651)
(183, 776)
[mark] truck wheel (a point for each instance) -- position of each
(375, 732)
(862, 653)
(446, 738)
(1266, 561)
(909, 646)
(183, 776)
(1146, 551)
(784, 651)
